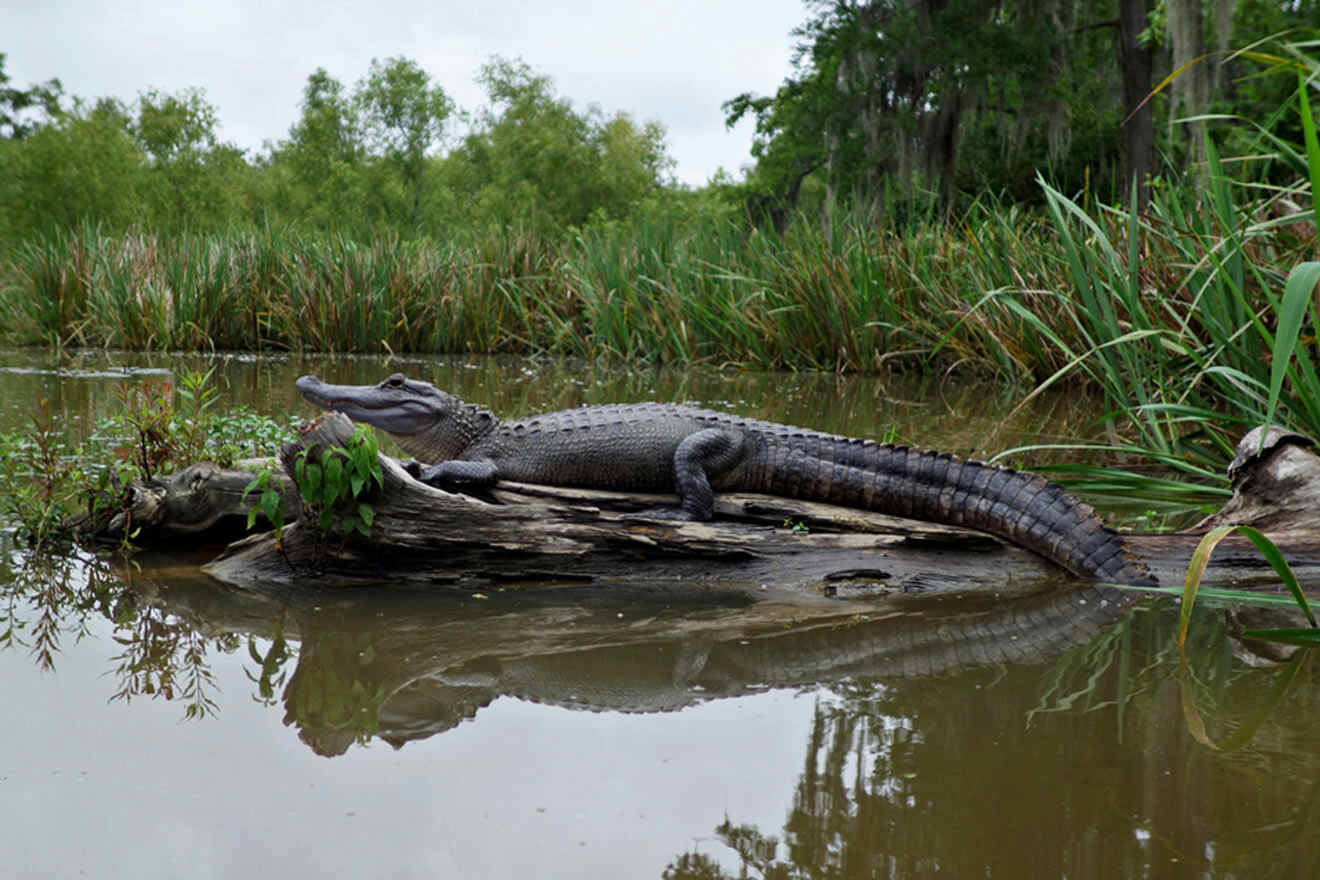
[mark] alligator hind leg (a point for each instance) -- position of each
(699, 457)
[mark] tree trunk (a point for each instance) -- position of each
(1191, 88)
(1138, 113)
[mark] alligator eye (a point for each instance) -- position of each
(395, 381)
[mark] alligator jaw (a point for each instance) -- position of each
(398, 405)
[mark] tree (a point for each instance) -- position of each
(533, 158)
(884, 91)
(901, 96)
(403, 118)
(1137, 62)
(81, 167)
(191, 170)
(323, 156)
(1191, 89)
(14, 104)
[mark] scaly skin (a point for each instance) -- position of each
(648, 447)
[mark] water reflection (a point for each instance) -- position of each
(50, 597)
(893, 785)
(54, 598)
(1021, 740)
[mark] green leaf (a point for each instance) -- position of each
(316, 481)
(368, 515)
(271, 504)
(334, 477)
(1297, 295)
(1307, 637)
(1309, 134)
(1196, 571)
(1281, 568)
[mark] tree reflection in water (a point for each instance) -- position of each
(894, 785)
(50, 597)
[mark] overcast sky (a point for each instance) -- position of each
(674, 61)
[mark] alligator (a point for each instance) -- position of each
(661, 447)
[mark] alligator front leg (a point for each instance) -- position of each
(459, 475)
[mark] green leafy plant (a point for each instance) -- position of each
(147, 419)
(335, 481)
(165, 425)
(270, 503)
(799, 526)
(41, 479)
(196, 396)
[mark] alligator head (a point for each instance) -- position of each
(428, 423)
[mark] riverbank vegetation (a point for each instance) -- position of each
(938, 187)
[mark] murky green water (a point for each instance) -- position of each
(586, 734)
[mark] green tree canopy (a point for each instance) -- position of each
(403, 118)
(196, 176)
(81, 166)
(317, 174)
(895, 98)
(534, 158)
(886, 92)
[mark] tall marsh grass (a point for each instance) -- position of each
(854, 294)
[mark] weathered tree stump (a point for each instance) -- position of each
(202, 502)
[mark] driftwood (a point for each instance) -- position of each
(201, 503)
(536, 537)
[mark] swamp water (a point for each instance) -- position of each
(158, 724)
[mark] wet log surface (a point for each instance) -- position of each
(537, 537)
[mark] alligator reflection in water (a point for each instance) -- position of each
(404, 666)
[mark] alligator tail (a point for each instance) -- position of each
(1018, 506)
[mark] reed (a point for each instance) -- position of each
(1195, 319)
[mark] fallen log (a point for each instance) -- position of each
(535, 537)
